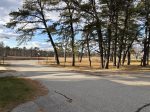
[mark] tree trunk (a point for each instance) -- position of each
(147, 29)
(129, 58)
(49, 34)
(54, 47)
(124, 57)
(99, 31)
(81, 55)
(145, 53)
(100, 39)
(108, 51)
(88, 48)
(109, 30)
(115, 42)
(123, 35)
(73, 47)
(148, 48)
(73, 39)
(65, 55)
(65, 48)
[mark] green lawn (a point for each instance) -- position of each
(14, 91)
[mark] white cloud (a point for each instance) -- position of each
(54, 16)
(6, 6)
(43, 46)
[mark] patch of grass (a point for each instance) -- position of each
(14, 91)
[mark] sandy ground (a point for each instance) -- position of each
(78, 92)
(2, 68)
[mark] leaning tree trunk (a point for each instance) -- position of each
(54, 46)
(49, 34)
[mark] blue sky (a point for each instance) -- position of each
(6, 6)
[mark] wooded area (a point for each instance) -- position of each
(23, 52)
(109, 28)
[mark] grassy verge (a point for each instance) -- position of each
(14, 91)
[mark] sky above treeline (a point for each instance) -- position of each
(6, 6)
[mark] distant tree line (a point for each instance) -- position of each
(23, 52)
(6, 51)
(107, 27)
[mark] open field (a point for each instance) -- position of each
(23, 58)
(14, 91)
(84, 65)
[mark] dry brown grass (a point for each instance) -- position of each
(84, 65)
(23, 58)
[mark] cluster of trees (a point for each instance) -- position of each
(23, 52)
(112, 26)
